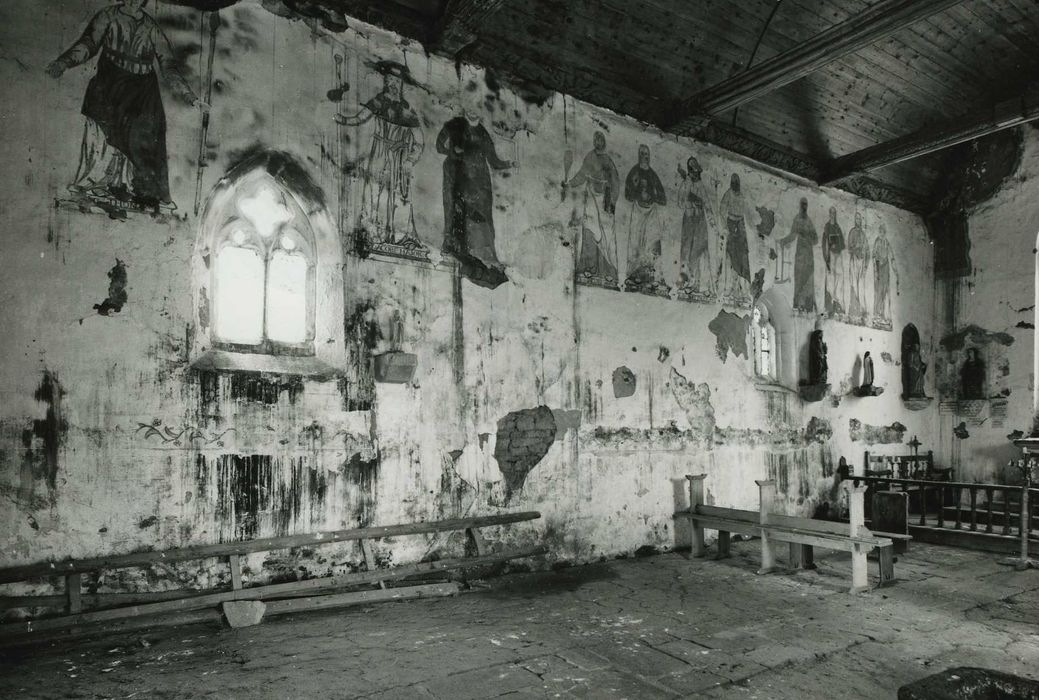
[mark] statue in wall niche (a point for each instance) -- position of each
(734, 282)
(802, 231)
(972, 376)
(818, 369)
(645, 192)
(469, 196)
(122, 159)
(833, 255)
(386, 204)
(914, 368)
(858, 252)
(867, 388)
(696, 280)
(883, 264)
(599, 183)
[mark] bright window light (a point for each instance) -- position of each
(239, 295)
(266, 210)
(287, 297)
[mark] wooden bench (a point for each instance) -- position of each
(802, 534)
(286, 597)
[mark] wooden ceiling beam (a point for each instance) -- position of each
(867, 27)
(936, 137)
(459, 25)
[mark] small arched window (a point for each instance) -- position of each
(263, 274)
(268, 273)
(766, 350)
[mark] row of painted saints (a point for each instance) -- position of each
(123, 165)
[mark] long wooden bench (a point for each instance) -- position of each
(802, 534)
(286, 597)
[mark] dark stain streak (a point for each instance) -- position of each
(283, 167)
(44, 440)
(977, 336)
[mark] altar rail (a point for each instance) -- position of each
(972, 515)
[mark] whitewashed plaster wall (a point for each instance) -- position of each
(609, 482)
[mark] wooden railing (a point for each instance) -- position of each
(987, 508)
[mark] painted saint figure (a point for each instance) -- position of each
(469, 196)
(858, 252)
(833, 256)
(882, 266)
(600, 183)
(386, 212)
(695, 256)
(645, 192)
(972, 376)
(123, 153)
(802, 230)
(735, 281)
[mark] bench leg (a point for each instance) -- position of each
(802, 556)
(886, 556)
(859, 573)
(699, 548)
(723, 545)
(768, 554)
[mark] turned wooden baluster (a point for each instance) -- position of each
(1006, 511)
(957, 499)
(973, 508)
(989, 495)
(923, 504)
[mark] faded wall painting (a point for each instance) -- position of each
(645, 192)
(597, 184)
(696, 278)
(123, 162)
(385, 211)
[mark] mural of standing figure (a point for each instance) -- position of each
(802, 230)
(644, 190)
(122, 159)
(469, 197)
(597, 245)
(386, 214)
(735, 280)
(883, 263)
(833, 256)
(858, 251)
(695, 257)
(972, 376)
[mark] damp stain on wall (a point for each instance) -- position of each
(624, 383)
(695, 400)
(44, 440)
(117, 295)
(976, 335)
(876, 434)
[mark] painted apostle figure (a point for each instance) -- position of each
(599, 181)
(833, 256)
(122, 160)
(644, 190)
(695, 256)
(735, 280)
(858, 252)
(883, 263)
(802, 231)
(386, 212)
(469, 197)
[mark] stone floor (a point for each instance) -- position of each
(655, 627)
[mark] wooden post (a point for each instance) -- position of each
(478, 542)
(856, 511)
(73, 593)
(723, 545)
(697, 545)
(766, 502)
(235, 561)
(886, 555)
(369, 559)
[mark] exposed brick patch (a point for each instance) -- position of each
(523, 440)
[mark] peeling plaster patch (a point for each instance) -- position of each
(116, 290)
(758, 285)
(663, 354)
(977, 336)
(818, 430)
(1025, 324)
(148, 522)
(960, 431)
(203, 309)
(566, 420)
(524, 438)
(454, 455)
(876, 435)
(767, 223)
(695, 400)
(325, 13)
(624, 383)
(886, 357)
(731, 333)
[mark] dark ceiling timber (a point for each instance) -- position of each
(458, 26)
(1005, 115)
(867, 27)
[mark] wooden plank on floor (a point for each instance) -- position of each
(338, 600)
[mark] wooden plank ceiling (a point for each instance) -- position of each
(647, 58)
